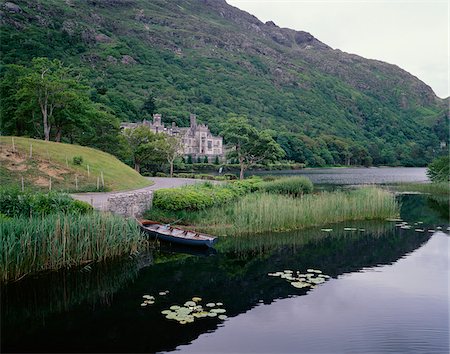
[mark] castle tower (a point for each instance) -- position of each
(157, 119)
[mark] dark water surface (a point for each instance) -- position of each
(357, 175)
(388, 293)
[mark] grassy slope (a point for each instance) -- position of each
(49, 158)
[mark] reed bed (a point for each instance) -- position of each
(436, 188)
(29, 245)
(263, 212)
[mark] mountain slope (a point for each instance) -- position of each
(207, 57)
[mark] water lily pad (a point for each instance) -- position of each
(350, 229)
(419, 230)
(196, 299)
(182, 322)
(190, 303)
(222, 317)
(310, 270)
(299, 285)
(166, 312)
(210, 304)
(362, 230)
(439, 228)
(219, 310)
(174, 307)
(431, 231)
(162, 293)
(148, 297)
(144, 304)
(219, 304)
(326, 230)
(212, 314)
(394, 220)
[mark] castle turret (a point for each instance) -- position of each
(157, 119)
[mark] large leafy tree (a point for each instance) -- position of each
(144, 145)
(55, 90)
(171, 148)
(248, 145)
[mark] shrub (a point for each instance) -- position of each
(230, 176)
(295, 186)
(438, 169)
(160, 174)
(77, 160)
(14, 203)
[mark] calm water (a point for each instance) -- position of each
(377, 175)
(388, 293)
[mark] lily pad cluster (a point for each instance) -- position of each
(309, 279)
(192, 310)
(150, 299)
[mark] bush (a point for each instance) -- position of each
(438, 169)
(160, 174)
(230, 176)
(295, 186)
(14, 203)
(201, 196)
(77, 160)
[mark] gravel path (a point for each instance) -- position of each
(98, 200)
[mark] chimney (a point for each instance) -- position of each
(193, 119)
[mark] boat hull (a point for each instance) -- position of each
(178, 240)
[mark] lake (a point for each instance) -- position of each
(355, 175)
(387, 292)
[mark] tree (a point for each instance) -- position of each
(205, 160)
(216, 160)
(171, 147)
(189, 160)
(249, 145)
(144, 145)
(149, 106)
(57, 92)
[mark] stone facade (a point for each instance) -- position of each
(197, 140)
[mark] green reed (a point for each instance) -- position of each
(29, 245)
(262, 212)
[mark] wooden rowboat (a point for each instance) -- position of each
(176, 235)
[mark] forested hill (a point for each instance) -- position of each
(209, 58)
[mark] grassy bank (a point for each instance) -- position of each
(29, 245)
(55, 161)
(264, 212)
(436, 188)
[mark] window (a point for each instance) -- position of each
(209, 144)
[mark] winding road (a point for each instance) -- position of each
(98, 200)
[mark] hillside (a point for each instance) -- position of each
(54, 161)
(209, 58)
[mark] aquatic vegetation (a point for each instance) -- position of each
(192, 310)
(29, 245)
(295, 186)
(262, 212)
(310, 279)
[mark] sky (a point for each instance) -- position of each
(413, 34)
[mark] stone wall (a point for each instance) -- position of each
(130, 204)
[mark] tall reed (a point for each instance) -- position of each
(29, 245)
(262, 212)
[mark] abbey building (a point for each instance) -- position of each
(197, 140)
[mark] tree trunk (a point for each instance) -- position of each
(137, 167)
(171, 169)
(241, 174)
(58, 135)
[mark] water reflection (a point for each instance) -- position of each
(100, 312)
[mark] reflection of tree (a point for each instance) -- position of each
(440, 204)
(60, 291)
(424, 207)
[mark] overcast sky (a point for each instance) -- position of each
(413, 34)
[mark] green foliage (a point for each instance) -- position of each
(189, 160)
(316, 107)
(216, 160)
(438, 169)
(249, 145)
(295, 186)
(197, 197)
(29, 245)
(77, 160)
(14, 203)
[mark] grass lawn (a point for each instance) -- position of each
(54, 161)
